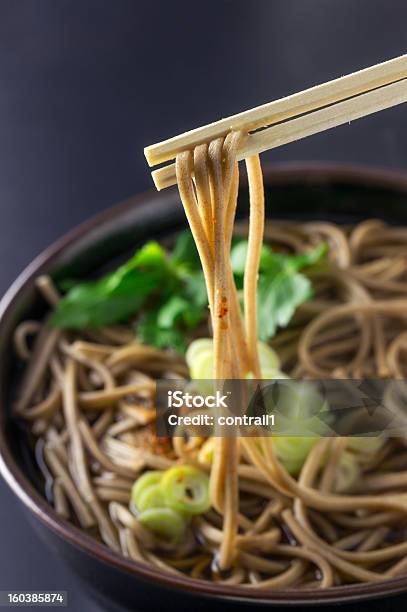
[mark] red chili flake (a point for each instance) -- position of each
(223, 309)
(160, 446)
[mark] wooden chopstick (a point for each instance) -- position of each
(301, 127)
(350, 97)
(310, 99)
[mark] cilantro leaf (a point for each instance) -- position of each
(310, 258)
(238, 257)
(168, 293)
(281, 286)
(149, 332)
(116, 296)
(167, 323)
(185, 251)
(278, 298)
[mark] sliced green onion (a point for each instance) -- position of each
(145, 481)
(365, 444)
(300, 401)
(268, 357)
(199, 357)
(202, 366)
(150, 497)
(186, 489)
(293, 466)
(292, 451)
(195, 348)
(164, 522)
(271, 374)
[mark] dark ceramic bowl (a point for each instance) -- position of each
(343, 194)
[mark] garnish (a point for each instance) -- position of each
(166, 295)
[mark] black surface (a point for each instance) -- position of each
(85, 85)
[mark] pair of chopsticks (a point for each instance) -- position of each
(302, 114)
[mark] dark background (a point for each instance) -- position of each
(86, 84)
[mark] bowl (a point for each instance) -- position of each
(319, 191)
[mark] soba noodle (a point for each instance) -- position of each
(88, 399)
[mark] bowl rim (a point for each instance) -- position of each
(284, 173)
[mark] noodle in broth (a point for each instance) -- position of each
(88, 397)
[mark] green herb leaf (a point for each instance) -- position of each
(168, 292)
(281, 286)
(238, 257)
(167, 323)
(150, 332)
(278, 298)
(197, 297)
(185, 251)
(116, 296)
(310, 258)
